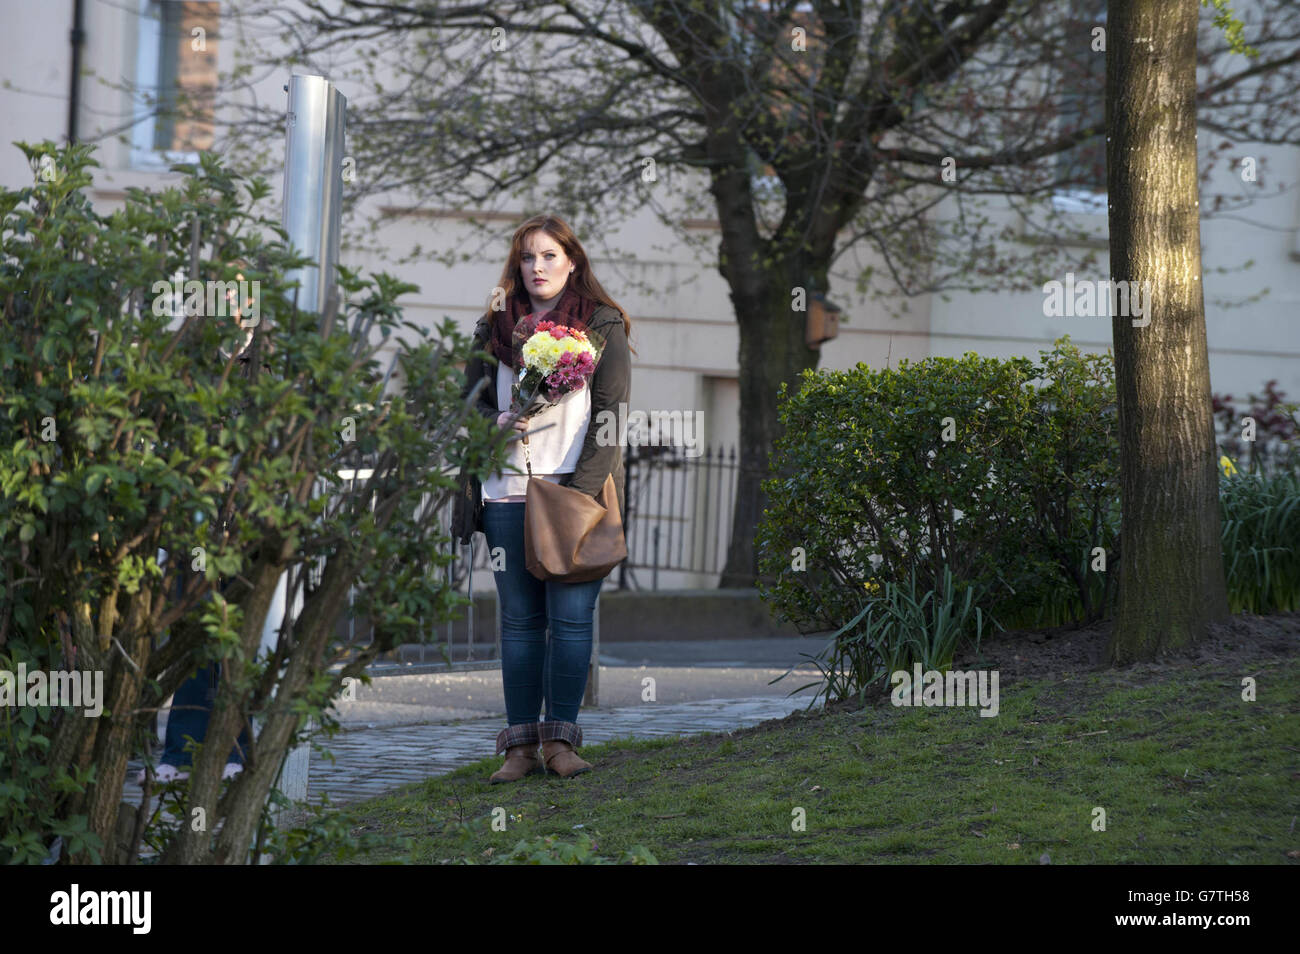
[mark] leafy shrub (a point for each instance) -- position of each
(31, 822)
(867, 490)
(124, 418)
(325, 835)
(1067, 505)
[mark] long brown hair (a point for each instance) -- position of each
(583, 279)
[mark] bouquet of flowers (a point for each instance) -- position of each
(555, 360)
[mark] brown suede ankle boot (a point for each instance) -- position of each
(562, 760)
(521, 760)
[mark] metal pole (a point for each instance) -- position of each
(313, 193)
(313, 183)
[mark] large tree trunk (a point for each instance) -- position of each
(772, 351)
(1171, 572)
(762, 275)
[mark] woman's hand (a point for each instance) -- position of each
(503, 420)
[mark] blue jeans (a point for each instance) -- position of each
(534, 669)
(191, 709)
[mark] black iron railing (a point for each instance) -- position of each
(679, 511)
(679, 516)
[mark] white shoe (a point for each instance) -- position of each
(164, 773)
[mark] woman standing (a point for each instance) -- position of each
(547, 272)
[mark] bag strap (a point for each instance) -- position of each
(528, 458)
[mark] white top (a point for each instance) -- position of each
(554, 451)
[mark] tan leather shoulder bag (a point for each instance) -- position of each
(568, 535)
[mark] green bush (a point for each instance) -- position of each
(129, 426)
(868, 491)
(1067, 502)
(872, 510)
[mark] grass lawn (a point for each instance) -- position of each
(1185, 770)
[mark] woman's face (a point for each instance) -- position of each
(544, 269)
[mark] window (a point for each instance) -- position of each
(1083, 103)
(176, 81)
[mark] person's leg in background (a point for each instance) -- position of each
(188, 718)
(570, 608)
(184, 717)
(190, 711)
(522, 600)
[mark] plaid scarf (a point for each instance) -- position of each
(571, 309)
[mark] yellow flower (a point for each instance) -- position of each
(1228, 467)
(543, 352)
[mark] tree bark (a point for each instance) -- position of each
(772, 347)
(1171, 575)
(772, 351)
(113, 743)
(193, 843)
(312, 634)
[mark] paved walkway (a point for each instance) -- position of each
(373, 761)
(370, 761)
(407, 728)
(458, 696)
